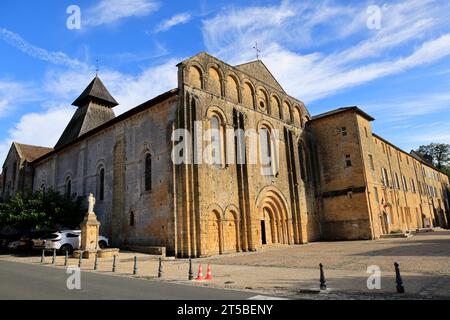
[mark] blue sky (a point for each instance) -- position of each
(322, 52)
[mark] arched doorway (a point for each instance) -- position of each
(268, 234)
(275, 224)
(213, 238)
(230, 232)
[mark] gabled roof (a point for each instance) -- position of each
(259, 70)
(340, 110)
(29, 152)
(96, 91)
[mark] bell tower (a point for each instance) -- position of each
(95, 107)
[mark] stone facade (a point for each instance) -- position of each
(368, 186)
(319, 183)
(243, 208)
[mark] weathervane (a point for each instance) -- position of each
(258, 51)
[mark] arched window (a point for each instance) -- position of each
(68, 188)
(266, 150)
(287, 112)
(148, 172)
(232, 89)
(301, 157)
(14, 175)
(297, 116)
(216, 141)
(132, 219)
(195, 77)
(215, 82)
(247, 96)
(101, 180)
(275, 107)
(262, 101)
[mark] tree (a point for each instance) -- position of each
(436, 153)
(41, 210)
(448, 172)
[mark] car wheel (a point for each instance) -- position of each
(102, 244)
(66, 248)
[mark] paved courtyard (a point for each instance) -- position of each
(285, 270)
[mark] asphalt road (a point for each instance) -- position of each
(29, 282)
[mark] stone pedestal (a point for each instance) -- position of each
(90, 231)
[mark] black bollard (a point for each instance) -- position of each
(398, 279)
(323, 285)
(54, 257)
(191, 273)
(135, 269)
(114, 264)
(160, 269)
(80, 259)
(43, 256)
(96, 261)
(66, 259)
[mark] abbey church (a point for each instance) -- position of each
(330, 176)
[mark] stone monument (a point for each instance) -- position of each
(90, 232)
(90, 228)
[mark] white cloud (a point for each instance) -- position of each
(57, 58)
(13, 94)
(412, 34)
(64, 87)
(60, 88)
(111, 11)
(42, 129)
(128, 90)
(34, 128)
(405, 107)
(173, 21)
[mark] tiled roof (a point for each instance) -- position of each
(31, 153)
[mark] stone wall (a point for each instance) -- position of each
(228, 204)
(357, 202)
(120, 150)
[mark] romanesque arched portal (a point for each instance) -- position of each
(275, 222)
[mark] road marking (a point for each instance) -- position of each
(266, 298)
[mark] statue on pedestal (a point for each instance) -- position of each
(90, 228)
(90, 232)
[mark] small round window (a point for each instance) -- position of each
(262, 105)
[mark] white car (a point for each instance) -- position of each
(65, 241)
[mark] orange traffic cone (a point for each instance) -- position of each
(200, 273)
(209, 273)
